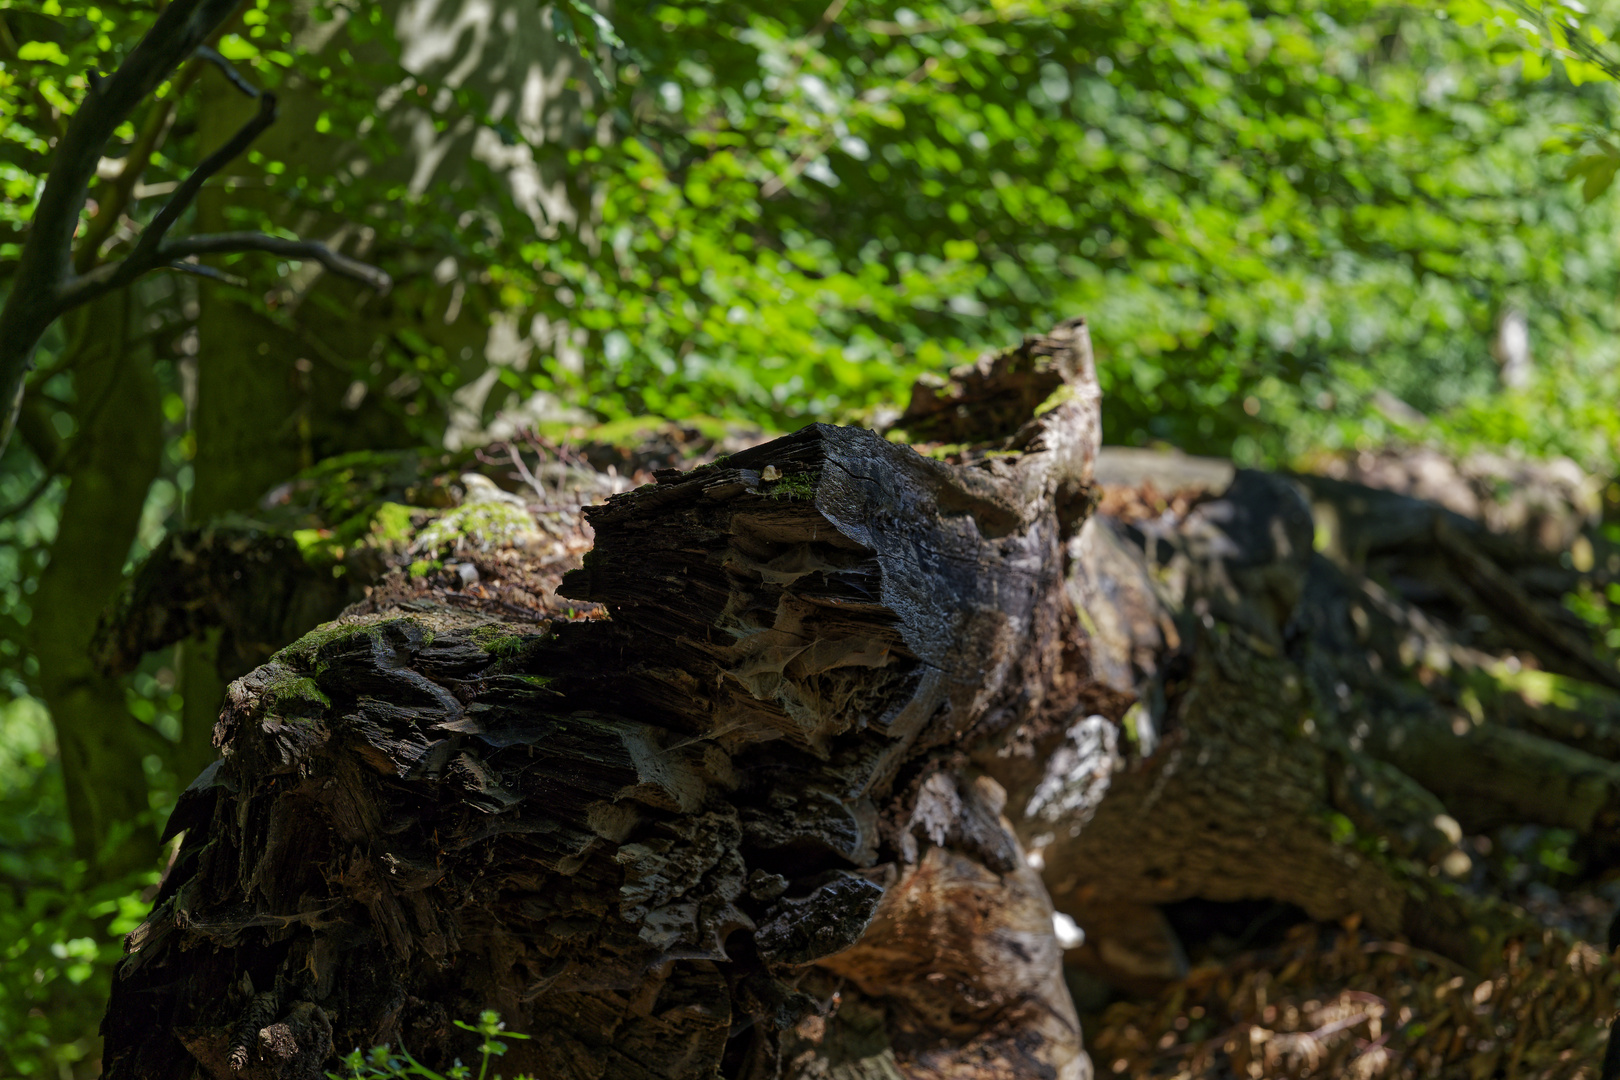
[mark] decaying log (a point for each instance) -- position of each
(1282, 687)
(786, 776)
(726, 830)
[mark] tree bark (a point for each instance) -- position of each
(784, 779)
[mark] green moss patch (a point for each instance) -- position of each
(795, 486)
(293, 696)
(303, 653)
(479, 525)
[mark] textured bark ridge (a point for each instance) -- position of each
(730, 830)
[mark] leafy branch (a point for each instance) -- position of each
(50, 280)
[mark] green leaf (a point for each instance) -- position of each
(48, 52)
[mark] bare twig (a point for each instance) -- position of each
(307, 250)
(523, 470)
(199, 270)
(104, 279)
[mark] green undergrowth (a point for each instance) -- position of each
(633, 432)
(479, 525)
(61, 931)
(386, 527)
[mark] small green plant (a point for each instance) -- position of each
(795, 486)
(385, 1063)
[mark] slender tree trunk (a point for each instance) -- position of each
(116, 459)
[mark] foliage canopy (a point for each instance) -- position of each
(1268, 212)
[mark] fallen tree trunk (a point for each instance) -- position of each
(785, 779)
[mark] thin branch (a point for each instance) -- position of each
(828, 17)
(1578, 43)
(152, 236)
(232, 76)
(45, 267)
(307, 250)
(114, 198)
(104, 279)
(523, 470)
(179, 30)
(779, 182)
(199, 270)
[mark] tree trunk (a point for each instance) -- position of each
(777, 782)
(108, 477)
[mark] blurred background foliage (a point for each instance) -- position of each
(1298, 228)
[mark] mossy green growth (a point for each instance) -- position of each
(291, 696)
(506, 645)
(384, 526)
(480, 525)
(391, 525)
(1541, 687)
(1132, 723)
(508, 648)
(795, 486)
(1064, 393)
(301, 653)
(1484, 689)
(538, 681)
(940, 451)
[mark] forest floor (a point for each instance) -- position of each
(1271, 994)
